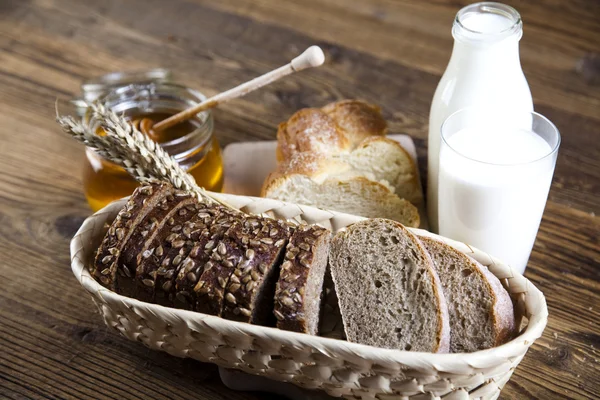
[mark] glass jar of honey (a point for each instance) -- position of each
(191, 143)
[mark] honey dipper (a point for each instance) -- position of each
(311, 57)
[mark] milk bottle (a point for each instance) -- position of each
(484, 71)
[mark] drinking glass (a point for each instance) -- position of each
(496, 168)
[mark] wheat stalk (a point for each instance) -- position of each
(127, 147)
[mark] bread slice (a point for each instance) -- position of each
(357, 119)
(159, 256)
(223, 257)
(386, 161)
(249, 294)
(389, 293)
(215, 221)
(309, 130)
(106, 267)
(350, 194)
(481, 311)
(300, 283)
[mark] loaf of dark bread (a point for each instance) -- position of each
(300, 284)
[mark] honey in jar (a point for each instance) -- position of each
(191, 143)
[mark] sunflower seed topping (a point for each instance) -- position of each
(192, 277)
(176, 228)
(106, 259)
(234, 287)
(287, 301)
(177, 260)
(177, 244)
(148, 253)
(304, 246)
(230, 298)
(245, 312)
(278, 315)
(148, 282)
(159, 251)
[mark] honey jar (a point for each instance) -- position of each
(191, 143)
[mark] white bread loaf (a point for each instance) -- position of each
(338, 157)
(332, 184)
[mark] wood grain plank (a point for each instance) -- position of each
(54, 344)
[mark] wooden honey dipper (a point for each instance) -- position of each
(311, 57)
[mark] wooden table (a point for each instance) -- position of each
(53, 344)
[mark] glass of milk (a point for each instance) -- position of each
(495, 170)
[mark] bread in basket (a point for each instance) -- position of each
(338, 367)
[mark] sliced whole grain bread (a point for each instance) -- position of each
(187, 228)
(224, 256)
(249, 294)
(140, 203)
(389, 293)
(215, 222)
(300, 283)
(481, 311)
(125, 284)
(166, 239)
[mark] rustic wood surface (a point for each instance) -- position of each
(53, 344)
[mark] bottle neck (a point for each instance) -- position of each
(487, 33)
(496, 54)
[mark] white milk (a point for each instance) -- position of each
(492, 195)
(484, 71)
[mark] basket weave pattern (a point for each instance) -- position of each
(340, 368)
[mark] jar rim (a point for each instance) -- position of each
(144, 91)
(463, 31)
(101, 85)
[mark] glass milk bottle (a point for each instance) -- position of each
(484, 71)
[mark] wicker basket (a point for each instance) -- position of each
(338, 367)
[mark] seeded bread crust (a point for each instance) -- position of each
(125, 284)
(223, 255)
(300, 283)
(139, 204)
(187, 228)
(250, 292)
(152, 257)
(215, 221)
(194, 264)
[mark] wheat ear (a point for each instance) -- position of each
(126, 146)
